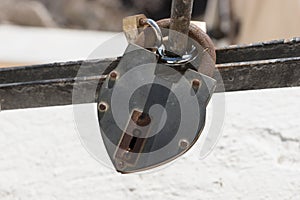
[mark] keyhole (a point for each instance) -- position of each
(132, 143)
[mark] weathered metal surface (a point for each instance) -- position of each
(55, 92)
(52, 84)
(49, 84)
(159, 85)
(254, 75)
(64, 70)
(180, 21)
(259, 51)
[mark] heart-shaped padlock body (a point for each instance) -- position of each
(150, 113)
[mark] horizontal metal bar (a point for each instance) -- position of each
(254, 75)
(52, 84)
(236, 77)
(259, 51)
(55, 92)
(232, 54)
(51, 71)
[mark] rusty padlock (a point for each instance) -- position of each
(151, 110)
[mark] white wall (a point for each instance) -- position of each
(43, 45)
(257, 157)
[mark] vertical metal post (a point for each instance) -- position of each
(180, 21)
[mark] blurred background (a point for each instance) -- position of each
(239, 21)
(42, 31)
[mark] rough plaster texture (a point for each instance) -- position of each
(257, 157)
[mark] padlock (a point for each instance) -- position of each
(152, 110)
